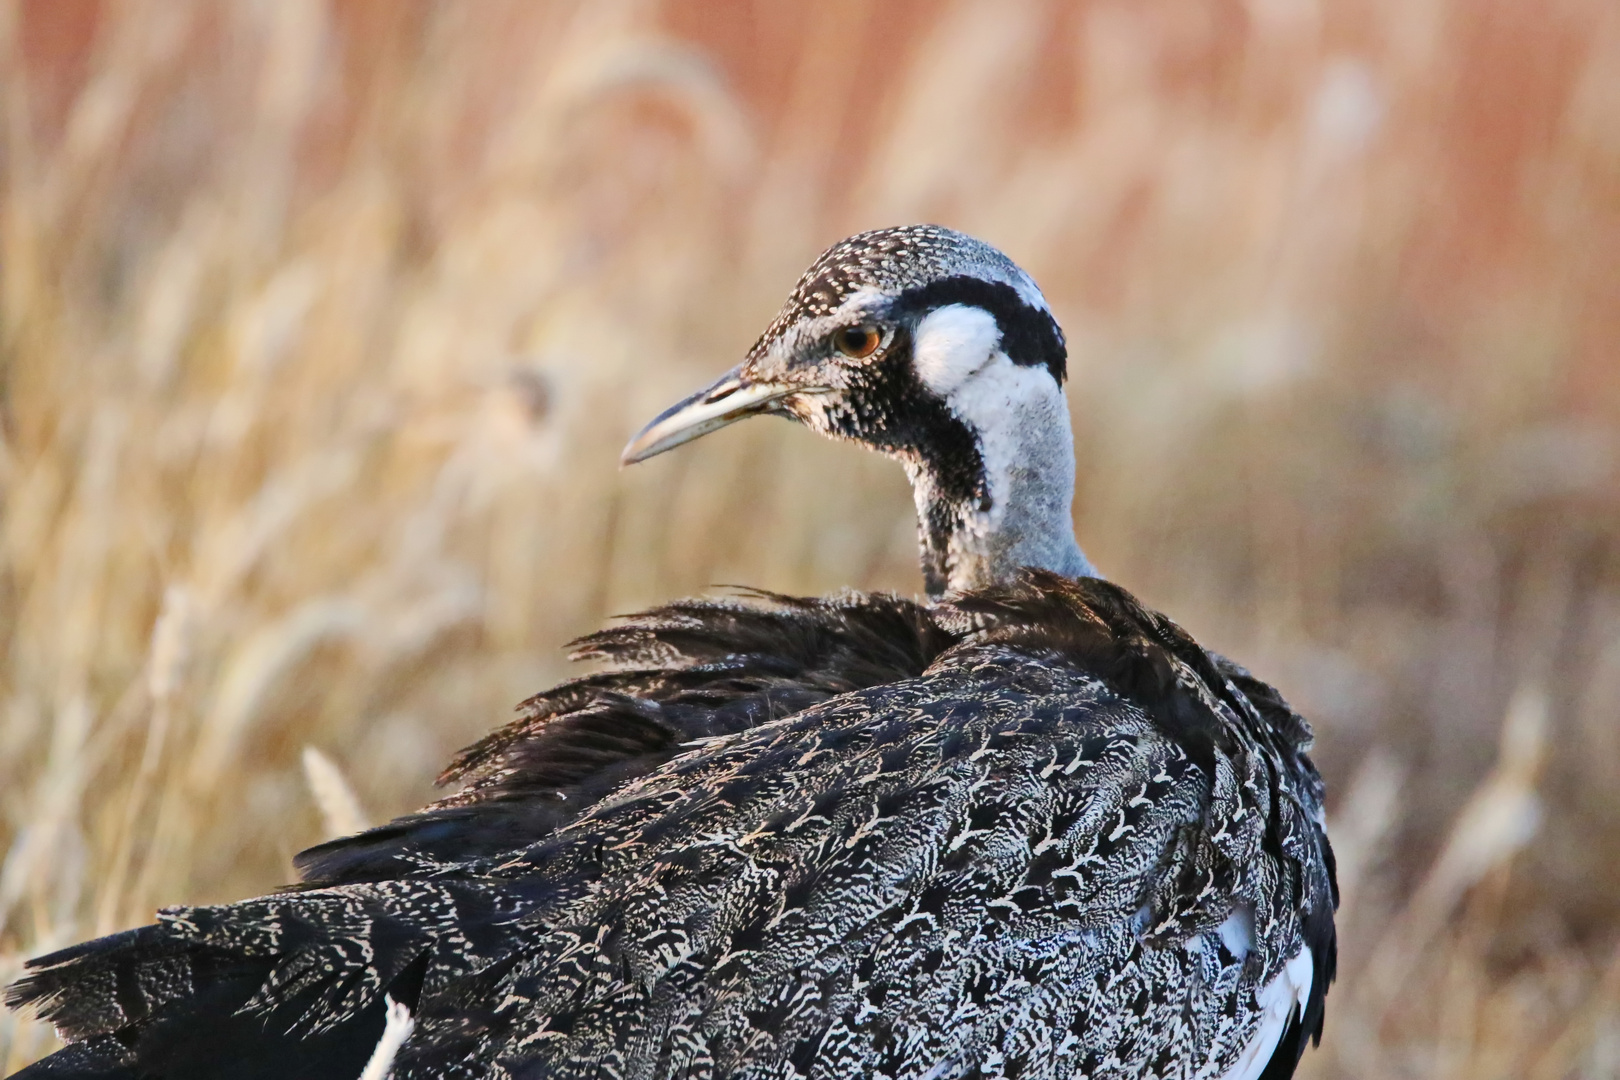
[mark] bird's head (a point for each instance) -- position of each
(935, 349)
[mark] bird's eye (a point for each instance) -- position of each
(858, 342)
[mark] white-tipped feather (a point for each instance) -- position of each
(1280, 1000)
(397, 1027)
(1237, 932)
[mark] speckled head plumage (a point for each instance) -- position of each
(933, 348)
(914, 268)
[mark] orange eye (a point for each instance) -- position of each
(858, 342)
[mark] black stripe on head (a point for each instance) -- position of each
(1029, 335)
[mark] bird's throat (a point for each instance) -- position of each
(1022, 515)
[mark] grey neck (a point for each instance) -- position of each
(1025, 518)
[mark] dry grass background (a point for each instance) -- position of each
(323, 320)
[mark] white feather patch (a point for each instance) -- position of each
(1010, 407)
(952, 343)
(1278, 1000)
(1021, 424)
(1237, 932)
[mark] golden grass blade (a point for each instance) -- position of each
(339, 805)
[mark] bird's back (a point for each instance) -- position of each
(1033, 831)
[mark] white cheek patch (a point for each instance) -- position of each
(951, 344)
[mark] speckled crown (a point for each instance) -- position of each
(893, 260)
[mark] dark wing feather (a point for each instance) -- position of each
(686, 671)
(1319, 932)
(147, 1003)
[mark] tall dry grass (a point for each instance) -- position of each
(322, 322)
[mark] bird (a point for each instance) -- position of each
(1021, 825)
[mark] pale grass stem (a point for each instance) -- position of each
(171, 645)
(339, 805)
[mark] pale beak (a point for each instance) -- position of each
(734, 397)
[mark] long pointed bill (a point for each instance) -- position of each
(730, 399)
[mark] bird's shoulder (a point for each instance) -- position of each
(683, 678)
(672, 676)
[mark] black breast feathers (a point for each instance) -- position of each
(1034, 831)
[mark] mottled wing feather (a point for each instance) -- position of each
(690, 670)
(927, 884)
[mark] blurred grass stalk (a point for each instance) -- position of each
(322, 322)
